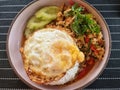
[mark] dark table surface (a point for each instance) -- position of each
(110, 78)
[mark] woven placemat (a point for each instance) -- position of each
(110, 78)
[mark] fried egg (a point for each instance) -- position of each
(70, 75)
(51, 56)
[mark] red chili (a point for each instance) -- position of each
(82, 73)
(87, 39)
(71, 2)
(90, 63)
(93, 48)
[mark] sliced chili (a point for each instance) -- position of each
(90, 63)
(71, 2)
(93, 48)
(87, 39)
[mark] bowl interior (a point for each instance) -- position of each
(15, 37)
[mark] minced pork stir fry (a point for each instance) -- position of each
(80, 24)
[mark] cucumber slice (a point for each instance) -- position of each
(34, 25)
(40, 19)
(33, 19)
(27, 32)
(47, 13)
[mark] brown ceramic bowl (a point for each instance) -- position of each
(15, 37)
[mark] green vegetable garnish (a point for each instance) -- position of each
(76, 9)
(83, 22)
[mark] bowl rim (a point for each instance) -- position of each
(32, 2)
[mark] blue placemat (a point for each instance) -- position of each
(110, 78)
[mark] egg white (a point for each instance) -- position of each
(70, 75)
